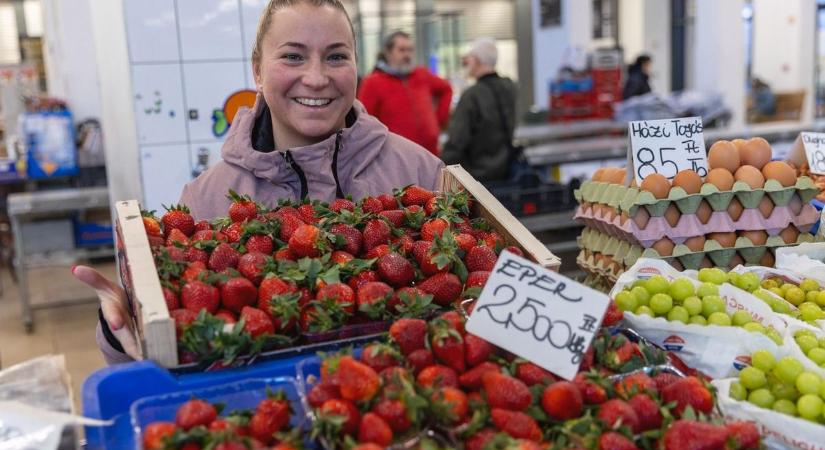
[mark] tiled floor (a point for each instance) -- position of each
(66, 330)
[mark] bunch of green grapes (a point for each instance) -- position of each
(812, 346)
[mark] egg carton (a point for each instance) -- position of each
(689, 225)
(599, 272)
(630, 199)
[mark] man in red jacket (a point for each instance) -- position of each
(409, 100)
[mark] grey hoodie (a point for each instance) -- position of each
(369, 161)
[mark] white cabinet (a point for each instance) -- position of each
(209, 29)
(165, 169)
(207, 86)
(151, 30)
(158, 103)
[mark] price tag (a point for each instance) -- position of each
(537, 314)
(667, 147)
(814, 151)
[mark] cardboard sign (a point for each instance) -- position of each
(667, 147)
(814, 144)
(537, 314)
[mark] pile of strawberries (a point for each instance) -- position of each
(303, 271)
(435, 376)
(198, 426)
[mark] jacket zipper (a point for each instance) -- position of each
(339, 193)
(301, 176)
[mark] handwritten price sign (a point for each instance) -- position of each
(538, 314)
(667, 147)
(815, 151)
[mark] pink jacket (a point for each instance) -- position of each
(369, 161)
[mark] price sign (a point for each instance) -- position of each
(814, 151)
(537, 314)
(667, 147)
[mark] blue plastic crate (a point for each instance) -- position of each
(818, 205)
(93, 234)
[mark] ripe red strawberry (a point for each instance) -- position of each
(688, 392)
(664, 380)
(394, 216)
(341, 294)
(465, 241)
(406, 296)
(307, 213)
(493, 240)
(362, 278)
(388, 201)
(178, 217)
(415, 195)
(156, 241)
(289, 223)
(431, 205)
(378, 251)
(192, 272)
(340, 204)
(259, 243)
(374, 429)
(532, 374)
(284, 254)
(237, 293)
(208, 235)
(404, 244)
(202, 225)
(226, 315)
(182, 318)
(171, 299)
(380, 356)
(638, 383)
(195, 412)
(409, 334)
(480, 258)
(420, 359)
(614, 359)
(272, 287)
(373, 299)
(692, 435)
(306, 241)
(225, 445)
(480, 440)
(376, 232)
(444, 287)
(562, 401)
(472, 379)
(504, 391)
(617, 411)
(396, 270)
(223, 257)
(514, 250)
(345, 409)
(476, 350)
(454, 321)
(341, 257)
(613, 315)
(357, 381)
(393, 379)
(394, 412)
(372, 205)
(256, 322)
(176, 254)
(615, 441)
(648, 412)
(271, 416)
(152, 226)
(251, 264)
(516, 424)
(592, 393)
(322, 392)
(242, 207)
(156, 433)
(433, 228)
(448, 347)
(451, 405)
(743, 436)
(233, 232)
(437, 376)
(352, 238)
(193, 254)
(197, 295)
(176, 236)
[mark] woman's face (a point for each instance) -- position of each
(307, 73)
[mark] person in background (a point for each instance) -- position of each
(764, 102)
(638, 78)
(481, 128)
(409, 100)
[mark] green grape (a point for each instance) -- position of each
(809, 285)
(657, 284)
(810, 297)
(752, 378)
(778, 291)
(706, 289)
(740, 318)
(808, 383)
(641, 294)
(678, 314)
(810, 312)
(764, 295)
(822, 390)
(644, 311)
(712, 304)
(822, 342)
(763, 360)
(781, 306)
(769, 284)
(785, 407)
(817, 355)
(719, 318)
(713, 275)
(795, 295)
(661, 304)
(801, 333)
(784, 391)
(761, 398)
(698, 320)
(748, 282)
(809, 407)
(785, 286)
(639, 283)
(787, 369)
(626, 301)
(738, 392)
(681, 288)
(806, 343)
(774, 336)
(754, 327)
(820, 298)
(693, 305)
(733, 278)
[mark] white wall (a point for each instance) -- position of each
(644, 27)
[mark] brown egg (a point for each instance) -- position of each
(641, 218)
(726, 240)
(721, 178)
(736, 260)
(696, 243)
(598, 175)
(677, 265)
(767, 259)
(688, 180)
(739, 143)
(756, 152)
(623, 217)
(789, 235)
(706, 263)
(657, 185)
(735, 209)
(615, 176)
(610, 213)
(586, 206)
(765, 206)
(598, 209)
(704, 212)
(725, 155)
(781, 172)
(672, 215)
(751, 176)
(757, 237)
(795, 204)
(664, 247)
(598, 257)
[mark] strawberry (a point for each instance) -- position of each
(202, 225)
(516, 424)
(208, 235)
(352, 239)
(237, 293)
(692, 435)
(616, 358)
(421, 251)
(178, 217)
(156, 241)
(493, 240)
(234, 232)
(225, 445)
(393, 378)
(480, 258)
(156, 433)
(480, 440)
(562, 401)
(152, 226)
(362, 278)
(419, 359)
(433, 228)
(322, 392)
(345, 409)
(504, 391)
(380, 356)
(259, 243)
(374, 429)
(171, 299)
(613, 412)
(195, 412)
(615, 441)
(271, 416)
(226, 315)
(395, 270)
(251, 265)
(414, 216)
(341, 294)
(394, 412)
(415, 195)
(613, 315)
(223, 257)
(193, 272)
(256, 322)
(373, 298)
(532, 374)
(637, 383)
(430, 207)
(664, 380)
(592, 393)
(378, 251)
(358, 381)
(340, 204)
(284, 254)
(242, 207)
(476, 350)
(437, 376)
(447, 345)
(647, 410)
(686, 392)
(193, 254)
(340, 257)
(388, 201)
(176, 236)
(367, 446)
(444, 287)
(404, 244)
(394, 216)
(182, 318)
(376, 232)
(197, 295)
(409, 334)
(306, 241)
(472, 379)
(271, 287)
(454, 321)
(307, 213)
(289, 223)
(743, 436)
(450, 405)
(465, 241)
(372, 205)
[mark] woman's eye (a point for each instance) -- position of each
(338, 57)
(292, 57)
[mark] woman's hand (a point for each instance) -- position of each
(113, 305)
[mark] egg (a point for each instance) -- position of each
(703, 212)
(598, 175)
(672, 215)
(664, 247)
(623, 218)
(726, 240)
(735, 209)
(657, 185)
(751, 176)
(696, 243)
(641, 218)
(789, 235)
(615, 176)
(739, 143)
(597, 210)
(765, 206)
(706, 263)
(755, 152)
(586, 206)
(688, 180)
(721, 178)
(795, 204)
(677, 265)
(723, 154)
(757, 237)
(781, 172)
(736, 260)
(767, 259)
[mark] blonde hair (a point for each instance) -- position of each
(275, 5)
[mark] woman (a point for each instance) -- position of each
(638, 78)
(306, 136)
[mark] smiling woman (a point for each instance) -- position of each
(305, 137)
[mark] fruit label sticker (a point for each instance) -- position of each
(666, 147)
(814, 144)
(537, 314)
